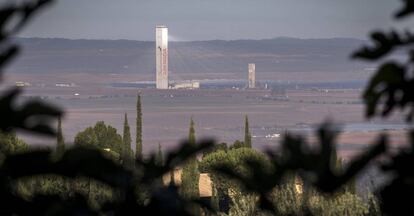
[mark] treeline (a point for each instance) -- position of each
(292, 196)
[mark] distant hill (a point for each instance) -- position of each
(217, 56)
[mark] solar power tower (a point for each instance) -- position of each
(161, 53)
(252, 75)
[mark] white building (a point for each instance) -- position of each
(161, 53)
(187, 85)
(23, 84)
(252, 75)
(67, 85)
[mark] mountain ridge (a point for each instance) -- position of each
(58, 55)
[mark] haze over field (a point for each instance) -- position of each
(189, 60)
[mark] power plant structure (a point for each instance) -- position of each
(161, 56)
(161, 65)
(252, 75)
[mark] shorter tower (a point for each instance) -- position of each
(252, 75)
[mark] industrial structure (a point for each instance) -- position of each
(186, 85)
(161, 65)
(161, 53)
(23, 84)
(252, 75)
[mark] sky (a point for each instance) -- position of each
(190, 20)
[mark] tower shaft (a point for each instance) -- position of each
(252, 75)
(161, 53)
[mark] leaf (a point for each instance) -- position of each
(32, 116)
(389, 88)
(7, 55)
(384, 43)
(92, 163)
(46, 204)
(23, 12)
(330, 182)
(401, 184)
(174, 159)
(74, 163)
(407, 10)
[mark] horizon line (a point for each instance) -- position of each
(202, 40)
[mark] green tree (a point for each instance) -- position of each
(221, 146)
(191, 133)
(11, 144)
(138, 140)
(159, 157)
(59, 136)
(373, 206)
(101, 136)
(86, 138)
(286, 198)
(190, 174)
(126, 140)
(214, 202)
(237, 144)
(105, 138)
(338, 168)
(247, 135)
(159, 161)
(235, 159)
(338, 204)
(243, 204)
(89, 164)
(220, 182)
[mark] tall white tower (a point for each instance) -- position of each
(252, 75)
(161, 53)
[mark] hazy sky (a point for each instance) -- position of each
(212, 19)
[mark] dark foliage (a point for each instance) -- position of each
(314, 166)
(247, 134)
(384, 44)
(390, 87)
(92, 164)
(402, 184)
(60, 140)
(138, 138)
(33, 115)
(407, 9)
(393, 85)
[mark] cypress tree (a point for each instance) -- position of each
(247, 135)
(215, 200)
(126, 139)
(56, 183)
(191, 133)
(138, 140)
(60, 147)
(159, 159)
(190, 175)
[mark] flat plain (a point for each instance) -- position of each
(219, 114)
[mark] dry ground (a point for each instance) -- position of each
(218, 114)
